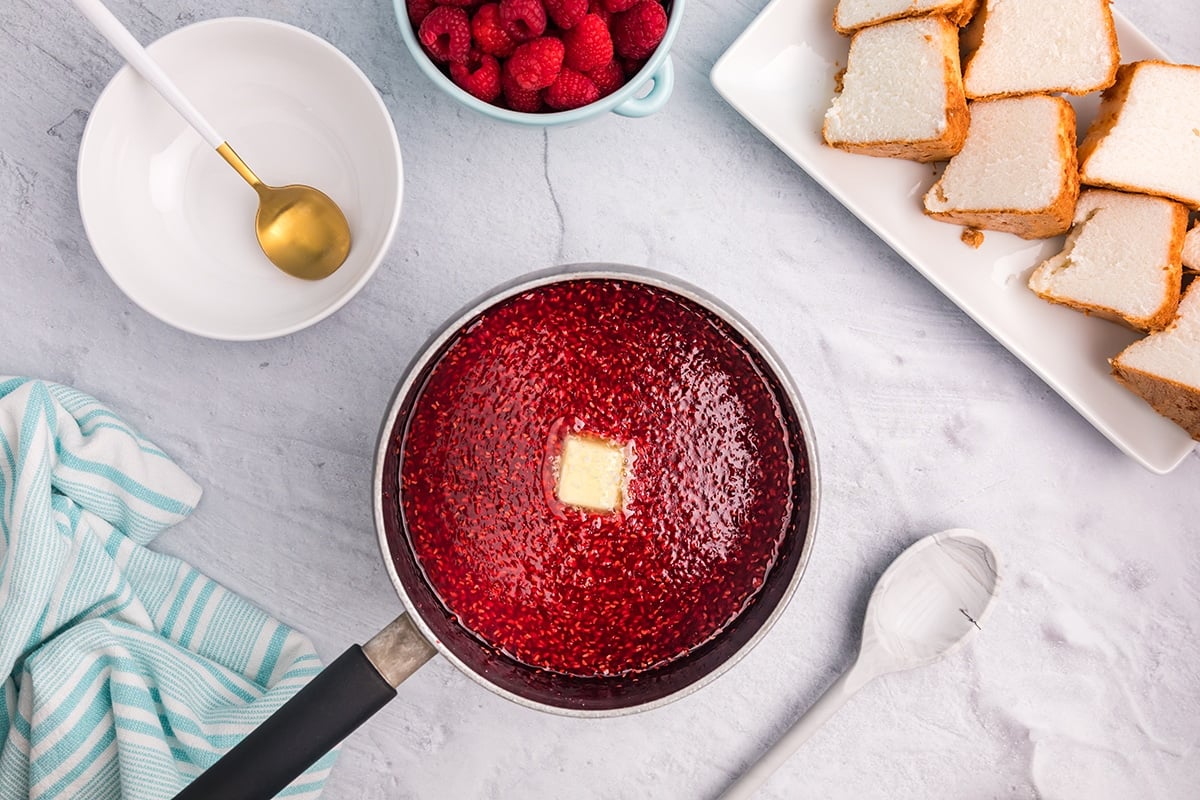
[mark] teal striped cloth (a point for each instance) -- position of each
(126, 672)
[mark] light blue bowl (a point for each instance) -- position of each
(658, 71)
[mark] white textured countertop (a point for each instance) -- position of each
(1086, 682)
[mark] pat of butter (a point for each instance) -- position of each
(590, 473)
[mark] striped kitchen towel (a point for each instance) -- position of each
(126, 672)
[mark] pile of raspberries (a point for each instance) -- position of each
(539, 55)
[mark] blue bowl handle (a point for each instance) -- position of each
(664, 81)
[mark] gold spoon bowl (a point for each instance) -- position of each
(299, 228)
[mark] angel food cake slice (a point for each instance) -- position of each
(1164, 368)
(850, 15)
(1191, 248)
(1146, 137)
(1016, 47)
(1120, 261)
(902, 93)
(1016, 172)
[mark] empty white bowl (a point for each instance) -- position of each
(173, 225)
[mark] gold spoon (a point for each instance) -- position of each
(299, 228)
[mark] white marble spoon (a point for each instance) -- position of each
(925, 606)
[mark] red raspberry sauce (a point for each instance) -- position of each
(708, 502)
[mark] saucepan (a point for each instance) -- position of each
(363, 679)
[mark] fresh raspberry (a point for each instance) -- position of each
(588, 45)
(608, 78)
(418, 10)
(638, 31)
(459, 3)
(617, 6)
(535, 64)
(566, 13)
(523, 19)
(597, 7)
(528, 101)
(446, 34)
(479, 76)
(571, 89)
(489, 34)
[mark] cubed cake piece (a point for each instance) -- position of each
(1191, 248)
(1146, 137)
(1016, 172)
(1120, 261)
(1016, 47)
(850, 15)
(591, 473)
(1164, 368)
(902, 93)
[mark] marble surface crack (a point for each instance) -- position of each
(562, 228)
(77, 115)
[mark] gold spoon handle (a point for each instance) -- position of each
(236, 162)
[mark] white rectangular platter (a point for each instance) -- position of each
(779, 75)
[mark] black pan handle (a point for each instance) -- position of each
(335, 702)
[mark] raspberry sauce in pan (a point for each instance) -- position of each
(709, 489)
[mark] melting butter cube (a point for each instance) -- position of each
(590, 473)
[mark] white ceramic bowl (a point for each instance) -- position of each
(171, 222)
